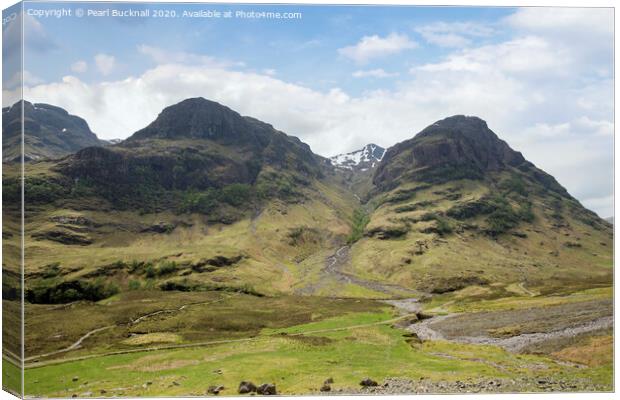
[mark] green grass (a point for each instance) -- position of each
(297, 364)
(451, 302)
(353, 319)
(11, 377)
(358, 223)
(207, 316)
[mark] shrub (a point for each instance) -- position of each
(525, 212)
(359, 221)
(236, 194)
(135, 266)
(200, 202)
(514, 184)
(134, 285)
(443, 226)
(166, 268)
(50, 292)
(51, 270)
(150, 271)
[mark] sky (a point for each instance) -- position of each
(340, 77)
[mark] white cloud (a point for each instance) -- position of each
(562, 21)
(587, 33)
(105, 63)
(525, 55)
(374, 46)
(79, 66)
(454, 34)
(374, 73)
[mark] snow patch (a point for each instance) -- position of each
(366, 156)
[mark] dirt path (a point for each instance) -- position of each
(77, 344)
(215, 342)
(74, 346)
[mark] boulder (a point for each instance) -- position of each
(246, 387)
(215, 389)
(367, 382)
(266, 389)
(326, 388)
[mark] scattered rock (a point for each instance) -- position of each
(175, 383)
(215, 389)
(63, 237)
(74, 220)
(75, 378)
(329, 381)
(367, 382)
(386, 233)
(221, 261)
(266, 389)
(246, 387)
(326, 388)
(160, 227)
(211, 264)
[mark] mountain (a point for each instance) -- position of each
(457, 147)
(49, 132)
(610, 220)
(200, 147)
(356, 169)
(238, 205)
(456, 206)
(362, 160)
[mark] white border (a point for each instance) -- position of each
(463, 3)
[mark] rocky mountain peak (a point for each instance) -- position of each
(364, 159)
(49, 132)
(200, 118)
(457, 147)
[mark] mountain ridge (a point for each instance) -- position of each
(50, 132)
(454, 147)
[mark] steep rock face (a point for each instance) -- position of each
(175, 167)
(197, 145)
(49, 132)
(205, 122)
(454, 148)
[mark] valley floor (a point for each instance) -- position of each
(152, 343)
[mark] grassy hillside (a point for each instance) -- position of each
(442, 238)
